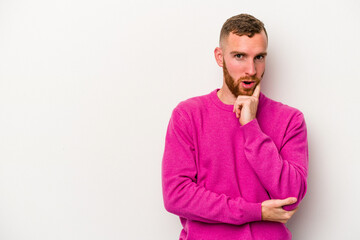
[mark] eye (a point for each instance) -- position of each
(239, 55)
(260, 57)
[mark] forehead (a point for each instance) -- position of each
(256, 44)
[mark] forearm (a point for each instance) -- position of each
(186, 199)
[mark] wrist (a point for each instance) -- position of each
(244, 122)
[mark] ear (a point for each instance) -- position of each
(218, 52)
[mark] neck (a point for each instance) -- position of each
(225, 95)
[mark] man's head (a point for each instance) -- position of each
(242, 52)
(242, 24)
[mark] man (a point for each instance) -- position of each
(235, 162)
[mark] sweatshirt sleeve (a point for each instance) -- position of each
(183, 196)
(282, 172)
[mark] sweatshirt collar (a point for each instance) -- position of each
(215, 99)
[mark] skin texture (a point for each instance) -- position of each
(235, 85)
(243, 59)
(271, 210)
(245, 107)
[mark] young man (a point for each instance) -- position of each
(235, 162)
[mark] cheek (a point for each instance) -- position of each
(260, 68)
(236, 69)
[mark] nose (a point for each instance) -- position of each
(251, 68)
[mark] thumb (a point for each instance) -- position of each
(289, 201)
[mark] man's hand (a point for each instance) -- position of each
(245, 107)
(271, 210)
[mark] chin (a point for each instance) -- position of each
(246, 93)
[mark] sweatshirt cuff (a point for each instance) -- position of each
(251, 127)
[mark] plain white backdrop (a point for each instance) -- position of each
(87, 89)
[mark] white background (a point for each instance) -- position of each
(87, 89)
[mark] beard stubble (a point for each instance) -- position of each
(234, 86)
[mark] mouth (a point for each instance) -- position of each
(247, 84)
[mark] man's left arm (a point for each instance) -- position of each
(282, 172)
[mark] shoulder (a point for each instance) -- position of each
(280, 121)
(193, 105)
(275, 115)
(279, 109)
(185, 115)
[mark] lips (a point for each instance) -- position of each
(247, 84)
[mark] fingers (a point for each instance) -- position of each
(256, 92)
(290, 200)
(238, 112)
(245, 107)
(271, 210)
(237, 109)
(288, 215)
(286, 201)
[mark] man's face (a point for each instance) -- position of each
(243, 62)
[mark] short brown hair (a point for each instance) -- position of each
(242, 24)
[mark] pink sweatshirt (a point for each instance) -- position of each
(216, 173)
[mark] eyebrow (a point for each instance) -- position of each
(236, 52)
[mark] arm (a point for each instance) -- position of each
(183, 196)
(283, 172)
